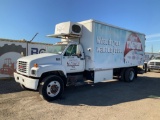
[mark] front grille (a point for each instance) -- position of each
(151, 63)
(157, 63)
(22, 66)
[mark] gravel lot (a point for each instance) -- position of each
(112, 100)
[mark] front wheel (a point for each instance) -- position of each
(51, 88)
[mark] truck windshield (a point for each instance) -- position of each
(56, 49)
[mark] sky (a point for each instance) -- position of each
(22, 19)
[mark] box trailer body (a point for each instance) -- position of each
(111, 47)
(89, 50)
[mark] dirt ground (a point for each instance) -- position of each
(112, 100)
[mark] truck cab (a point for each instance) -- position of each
(72, 56)
(49, 72)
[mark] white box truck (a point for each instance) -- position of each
(89, 50)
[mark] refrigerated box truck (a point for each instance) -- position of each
(89, 51)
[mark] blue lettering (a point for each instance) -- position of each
(34, 51)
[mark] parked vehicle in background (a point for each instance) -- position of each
(154, 64)
(89, 50)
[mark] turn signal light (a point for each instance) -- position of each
(36, 65)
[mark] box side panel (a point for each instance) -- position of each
(103, 75)
(87, 42)
(114, 47)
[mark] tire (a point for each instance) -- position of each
(51, 88)
(122, 75)
(149, 70)
(129, 75)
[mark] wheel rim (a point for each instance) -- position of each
(53, 88)
(131, 75)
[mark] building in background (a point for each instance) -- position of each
(11, 50)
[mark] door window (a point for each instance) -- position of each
(71, 50)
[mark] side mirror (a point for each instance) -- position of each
(79, 55)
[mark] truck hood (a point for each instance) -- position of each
(153, 61)
(44, 58)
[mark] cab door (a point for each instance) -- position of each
(73, 59)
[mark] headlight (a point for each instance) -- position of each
(33, 72)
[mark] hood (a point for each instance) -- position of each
(154, 61)
(42, 58)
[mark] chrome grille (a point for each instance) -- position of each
(22, 66)
(151, 63)
(157, 63)
(154, 63)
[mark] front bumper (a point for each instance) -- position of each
(30, 83)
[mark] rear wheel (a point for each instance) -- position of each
(51, 88)
(129, 75)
